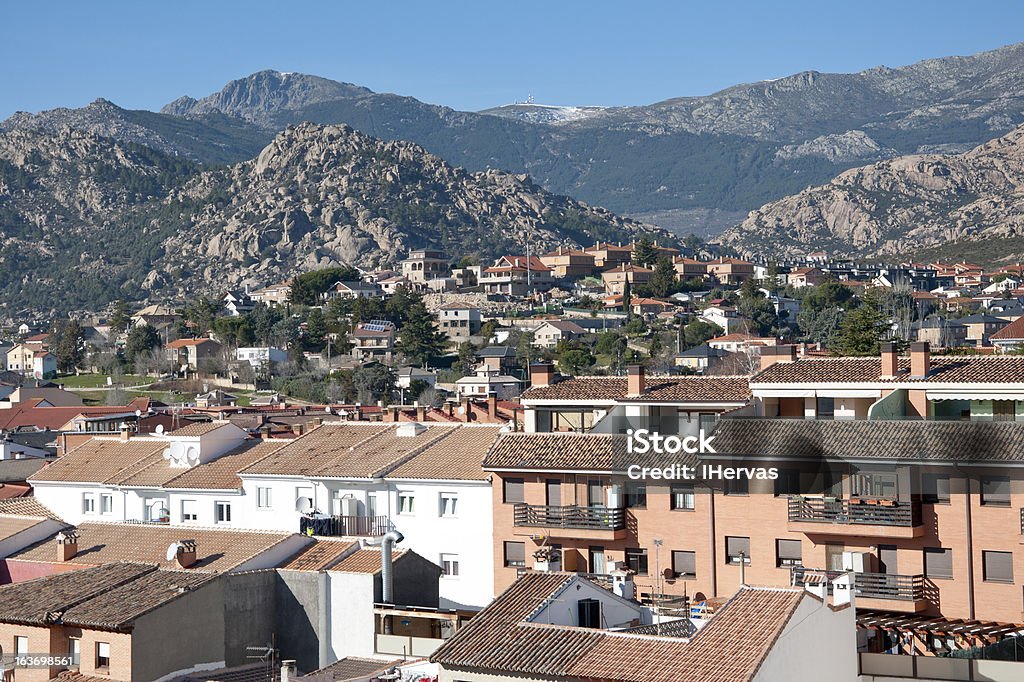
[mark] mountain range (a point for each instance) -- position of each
(691, 164)
(278, 171)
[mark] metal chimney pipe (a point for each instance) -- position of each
(386, 542)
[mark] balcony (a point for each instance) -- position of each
(856, 516)
(883, 591)
(345, 526)
(584, 522)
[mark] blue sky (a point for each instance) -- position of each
(470, 55)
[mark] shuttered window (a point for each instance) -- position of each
(995, 491)
(684, 564)
(997, 566)
(938, 562)
(513, 490)
(788, 553)
(515, 554)
(734, 546)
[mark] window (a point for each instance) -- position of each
(263, 498)
(512, 490)
(738, 486)
(997, 567)
(995, 491)
(595, 493)
(636, 559)
(156, 510)
(935, 488)
(222, 512)
(706, 421)
(938, 562)
(681, 498)
(826, 408)
(75, 650)
(684, 564)
(189, 510)
(874, 485)
(636, 496)
(788, 482)
(88, 503)
(21, 646)
(515, 554)
(406, 503)
(449, 504)
(450, 565)
(788, 553)
(106, 504)
(589, 613)
(734, 546)
(102, 655)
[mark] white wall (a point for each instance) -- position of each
(615, 612)
(817, 643)
(30, 536)
(468, 534)
(351, 619)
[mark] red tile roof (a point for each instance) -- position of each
(667, 389)
(1012, 331)
(944, 369)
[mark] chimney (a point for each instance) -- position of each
(920, 359)
(287, 670)
(421, 412)
(67, 545)
(890, 361)
(125, 432)
(186, 556)
(297, 429)
(449, 408)
(636, 382)
(542, 374)
(773, 354)
(492, 406)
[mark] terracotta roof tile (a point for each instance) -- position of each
(667, 389)
(222, 473)
(111, 596)
(364, 561)
(100, 459)
(101, 543)
(731, 647)
(321, 554)
(456, 457)
(12, 525)
(895, 439)
(1012, 331)
(351, 668)
(944, 369)
(200, 428)
(27, 506)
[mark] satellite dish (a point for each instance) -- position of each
(167, 452)
(138, 413)
(304, 505)
(159, 429)
(172, 551)
(192, 454)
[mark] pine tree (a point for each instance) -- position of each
(419, 340)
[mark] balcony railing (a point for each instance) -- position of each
(868, 585)
(592, 518)
(855, 511)
(336, 526)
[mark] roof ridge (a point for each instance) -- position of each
(283, 442)
(446, 432)
(149, 568)
(110, 479)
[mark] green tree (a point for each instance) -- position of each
(313, 338)
(574, 360)
(307, 288)
(142, 338)
(418, 338)
(663, 280)
(201, 312)
(68, 345)
(820, 325)
(860, 331)
(755, 307)
(827, 294)
(372, 383)
(466, 359)
(699, 331)
(644, 252)
(119, 317)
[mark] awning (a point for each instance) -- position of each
(972, 395)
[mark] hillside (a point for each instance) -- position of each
(921, 201)
(89, 219)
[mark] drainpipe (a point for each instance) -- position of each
(323, 618)
(714, 559)
(970, 542)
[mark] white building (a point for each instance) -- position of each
(260, 357)
(355, 479)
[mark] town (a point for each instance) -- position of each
(425, 473)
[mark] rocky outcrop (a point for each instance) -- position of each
(325, 195)
(853, 145)
(895, 206)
